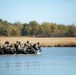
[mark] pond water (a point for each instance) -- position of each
(52, 61)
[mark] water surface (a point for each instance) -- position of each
(52, 61)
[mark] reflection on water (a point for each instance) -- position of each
(23, 68)
(52, 61)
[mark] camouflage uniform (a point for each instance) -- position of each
(36, 46)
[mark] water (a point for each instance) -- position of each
(52, 61)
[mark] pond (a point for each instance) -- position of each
(52, 61)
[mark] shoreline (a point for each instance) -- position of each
(44, 41)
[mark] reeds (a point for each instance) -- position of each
(45, 42)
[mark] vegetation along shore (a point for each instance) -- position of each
(48, 34)
(35, 29)
(44, 42)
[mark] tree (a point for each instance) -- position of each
(54, 30)
(18, 28)
(5, 30)
(34, 28)
(46, 29)
(61, 30)
(25, 30)
(71, 31)
(1, 20)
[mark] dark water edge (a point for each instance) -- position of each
(58, 45)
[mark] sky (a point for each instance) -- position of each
(53, 11)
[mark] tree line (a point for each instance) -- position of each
(33, 28)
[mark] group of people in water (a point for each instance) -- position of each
(27, 48)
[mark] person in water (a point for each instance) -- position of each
(28, 45)
(16, 45)
(6, 45)
(19, 46)
(36, 46)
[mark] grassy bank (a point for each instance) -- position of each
(48, 42)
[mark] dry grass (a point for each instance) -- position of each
(43, 41)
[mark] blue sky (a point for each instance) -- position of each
(55, 11)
